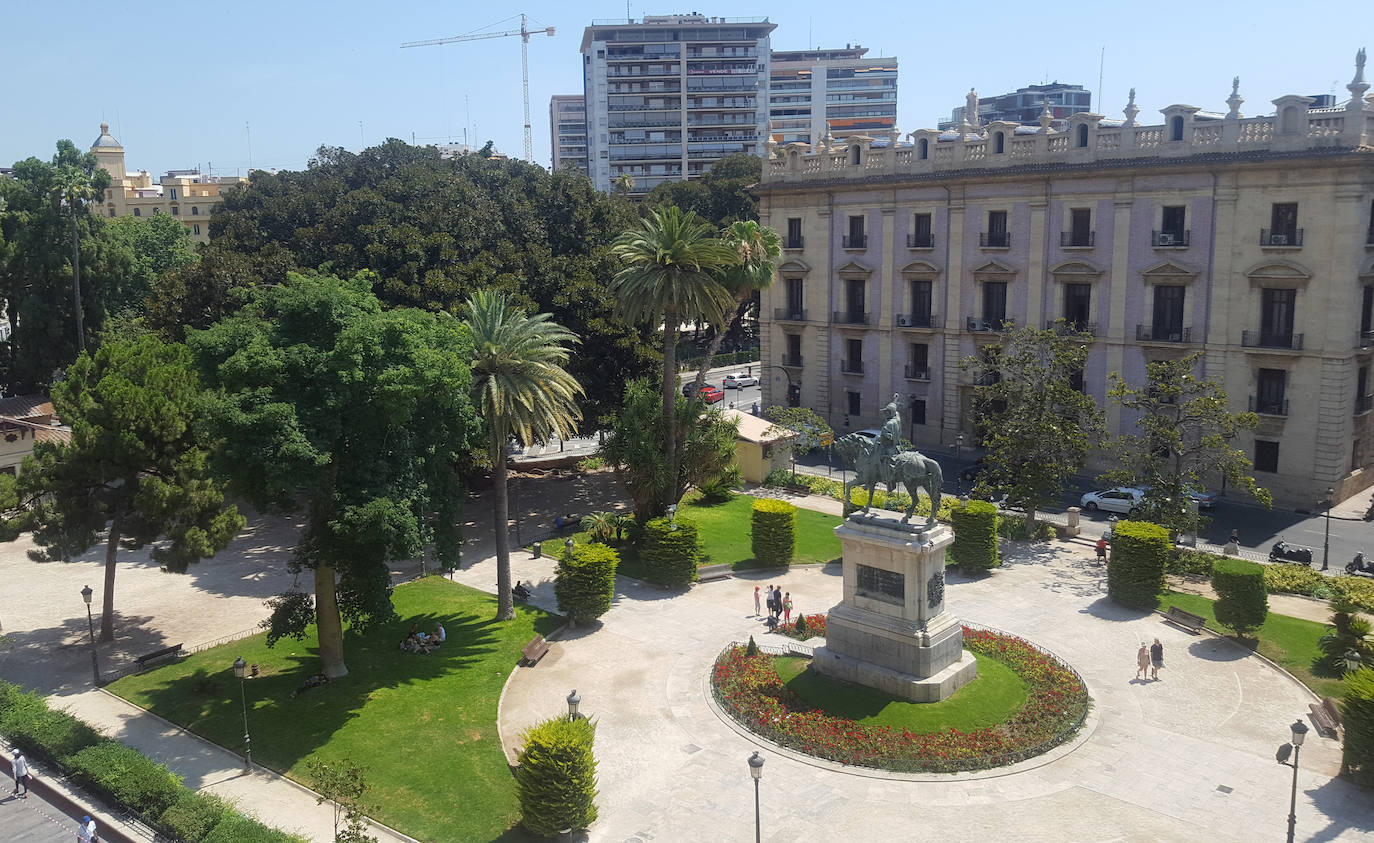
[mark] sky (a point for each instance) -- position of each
(223, 86)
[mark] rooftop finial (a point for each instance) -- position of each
(1130, 110)
(104, 128)
(1235, 100)
(1046, 116)
(1358, 86)
(971, 109)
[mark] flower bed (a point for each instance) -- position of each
(749, 688)
(815, 628)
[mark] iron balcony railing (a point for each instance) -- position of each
(851, 317)
(915, 320)
(798, 242)
(789, 314)
(1163, 333)
(1366, 339)
(855, 241)
(1170, 238)
(1081, 239)
(1069, 326)
(1269, 406)
(917, 373)
(1290, 237)
(994, 239)
(925, 240)
(986, 378)
(1271, 339)
(792, 361)
(977, 323)
(852, 367)
(1364, 403)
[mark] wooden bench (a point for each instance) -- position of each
(1189, 621)
(534, 651)
(148, 658)
(1326, 716)
(713, 572)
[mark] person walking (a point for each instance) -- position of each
(1102, 550)
(85, 832)
(787, 607)
(1142, 660)
(756, 601)
(777, 601)
(1156, 658)
(21, 774)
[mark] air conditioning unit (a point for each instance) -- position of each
(1278, 240)
(1177, 337)
(904, 321)
(976, 324)
(1167, 239)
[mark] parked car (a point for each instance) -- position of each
(712, 394)
(739, 380)
(687, 388)
(869, 433)
(1204, 498)
(1123, 500)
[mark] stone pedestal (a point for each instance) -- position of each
(891, 630)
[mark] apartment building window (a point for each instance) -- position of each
(1283, 226)
(999, 143)
(996, 234)
(918, 363)
(922, 295)
(854, 403)
(1176, 128)
(855, 239)
(918, 411)
(1076, 380)
(138, 212)
(1080, 231)
(1266, 456)
(176, 211)
(794, 395)
(923, 148)
(1270, 389)
(994, 304)
(1168, 312)
(795, 298)
(1276, 317)
(174, 194)
(854, 302)
(1369, 237)
(1367, 310)
(1362, 399)
(195, 229)
(853, 356)
(112, 212)
(793, 356)
(922, 237)
(195, 211)
(1082, 134)
(1173, 220)
(1078, 306)
(794, 233)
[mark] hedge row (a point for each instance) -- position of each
(975, 536)
(1357, 716)
(1282, 579)
(1135, 572)
(669, 552)
(123, 776)
(556, 777)
(1242, 601)
(585, 581)
(773, 532)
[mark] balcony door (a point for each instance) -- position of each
(1168, 315)
(1271, 389)
(1078, 306)
(854, 300)
(794, 297)
(1276, 317)
(994, 304)
(921, 294)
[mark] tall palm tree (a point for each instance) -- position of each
(669, 268)
(755, 248)
(71, 188)
(522, 390)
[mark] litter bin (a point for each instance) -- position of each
(538, 549)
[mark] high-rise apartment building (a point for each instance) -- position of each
(568, 131)
(669, 95)
(812, 92)
(1025, 105)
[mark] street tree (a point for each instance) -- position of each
(138, 463)
(522, 390)
(721, 196)
(1183, 441)
(356, 414)
(1032, 415)
(811, 429)
(669, 268)
(755, 246)
(152, 245)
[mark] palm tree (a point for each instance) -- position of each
(522, 390)
(71, 188)
(624, 183)
(755, 248)
(669, 271)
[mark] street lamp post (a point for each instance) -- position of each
(756, 771)
(573, 702)
(90, 627)
(241, 671)
(958, 450)
(1299, 730)
(1326, 543)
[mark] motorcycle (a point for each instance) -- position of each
(1359, 567)
(1296, 554)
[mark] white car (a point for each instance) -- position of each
(1123, 500)
(869, 433)
(739, 380)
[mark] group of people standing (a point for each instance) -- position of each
(779, 605)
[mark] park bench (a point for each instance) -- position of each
(148, 658)
(1187, 620)
(534, 651)
(713, 572)
(1326, 716)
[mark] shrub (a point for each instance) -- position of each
(1356, 590)
(1135, 571)
(126, 775)
(669, 555)
(1242, 600)
(585, 581)
(1357, 716)
(591, 464)
(194, 815)
(1349, 633)
(1194, 563)
(975, 536)
(774, 532)
(1014, 529)
(720, 489)
(752, 648)
(556, 776)
(236, 828)
(42, 733)
(1297, 579)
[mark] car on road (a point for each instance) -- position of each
(1204, 498)
(688, 386)
(1123, 500)
(869, 433)
(739, 380)
(712, 394)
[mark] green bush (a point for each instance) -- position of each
(128, 776)
(585, 581)
(774, 532)
(1191, 563)
(669, 555)
(1357, 716)
(192, 817)
(1135, 571)
(42, 733)
(556, 776)
(1297, 579)
(1355, 589)
(1242, 600)
(1014, 529)
(975, 536)
(236, 828)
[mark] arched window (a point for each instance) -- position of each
(1082, 134)
(999, 143)
(195, 212)
(923, 149)
(854, 154)
(1176, 128)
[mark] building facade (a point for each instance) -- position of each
(815, 92)
(1247, 239)
(668, 96)
(568, 131)
(1025, 105)
(186, 194)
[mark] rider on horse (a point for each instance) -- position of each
(888, 445)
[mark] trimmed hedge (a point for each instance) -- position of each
(237, 828)
(773, 533)
(1286, 579)
(194, 815)
(1357, 716)
(975, 536)
(1242, 600)
(585, 581)
(1135, 570)
(127, 776)
(556, 776)
(670, 556)
(43, 734)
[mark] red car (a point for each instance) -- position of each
(712, 394)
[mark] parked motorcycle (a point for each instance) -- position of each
(1358, 567)
(1285, 552)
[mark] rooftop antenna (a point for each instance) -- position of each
(361, 141)
(1101, 64)
(249, 129)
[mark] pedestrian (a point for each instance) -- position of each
(787, 607)
(1142, 660)
(21, 774)
(777, 600)
(756, 601)
(1235, 537)
(1101, 550)
(768, 599)
(1156, 658)
(85, 832)
(756, 408)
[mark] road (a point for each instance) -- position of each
(33, 819)
(740, 399)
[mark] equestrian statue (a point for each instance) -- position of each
(885, 460)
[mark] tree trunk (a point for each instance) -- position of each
(76, 293)
(328, 624)
(669, 403)
(505, 602)
(715, 344)
(111, 552)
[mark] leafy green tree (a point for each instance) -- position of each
(670, 263)
(138, 461)
(153, 245)
(344, 785)
(1036, 425)
(721, 196)
(357, 414)
(811, 428)
(522, 390)
(755, 246)
(1184, 440)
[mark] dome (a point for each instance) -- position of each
(105, 141)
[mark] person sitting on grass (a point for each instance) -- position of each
(439, 635)
(520, 592)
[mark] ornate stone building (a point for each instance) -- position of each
(1246, 238)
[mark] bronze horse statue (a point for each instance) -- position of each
(912, 469)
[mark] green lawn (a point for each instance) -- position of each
(1288, 642)
(986, 701)
(423, 726)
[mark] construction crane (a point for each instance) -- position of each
(524, 32)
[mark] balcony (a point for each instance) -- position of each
(916, 320)
(1077, 239)
(974, 323)
(986, 378)
(994, 239)
(854, 241)
(792, 361)
(1364, 403)
(789, 314)
(1270, 339)
(1170, 239)
(1366, 339)
(916, 373)
(1269, 406)
(923, 240)
(1290, 239)
(1163, 333)
(1071, 327)
(852, 367)
(851, 317)
(798, 242)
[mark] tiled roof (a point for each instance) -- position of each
(25, 406)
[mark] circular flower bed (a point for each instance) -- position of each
(749, 688)
(804, 627)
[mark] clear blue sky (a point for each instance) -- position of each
(178, 81)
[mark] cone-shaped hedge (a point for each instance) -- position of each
(670, 555)
(774, 536)
(1242, 600)
(585, 581)
(556, 779)
(975, 536)
(1135, 572)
